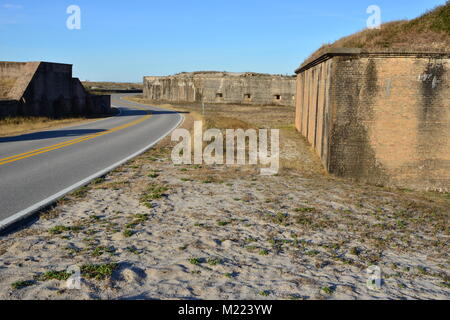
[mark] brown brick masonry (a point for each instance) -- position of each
(381, 118)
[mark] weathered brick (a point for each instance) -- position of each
(381, 118)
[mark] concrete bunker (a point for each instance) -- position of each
(222, 87)
(46, 89)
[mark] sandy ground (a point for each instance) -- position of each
(153, 230)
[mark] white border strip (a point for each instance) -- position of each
(28, 212)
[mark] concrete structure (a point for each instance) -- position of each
(222, 87)
(382, 118)
(45, 89)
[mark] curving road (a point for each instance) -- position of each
(39, 168)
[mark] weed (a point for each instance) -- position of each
(128, 233)
(195, 261)
(60, 229)
(100, 271)
(133, 250)
(264, 293)
(328, 290)
(153, 175)
(305, 210)
(55, 275)
(214, 261)
(251, 239)
(98, 180)
(80, 193)
(312, 253)
(141, 218)
(422, 270)
(154, 192)
(355, 251)
(21, 284)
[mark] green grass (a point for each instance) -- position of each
(328, 290)
(55, 275)
(128, 233)
(264, 252)
(98, 180)
(141, 217)
(153, 192)
(22, 284)
(214, 261)
(264, 293)
(133, 250)
(223, 223)
(312, 253)
(98, 271)
(61, 229)
(422, 270)
(195, 261)
(401, 224)
(280, 218)
(99, 251)
(305, 210)
(80, 193)
(355, 251)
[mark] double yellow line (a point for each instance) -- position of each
(71, 142)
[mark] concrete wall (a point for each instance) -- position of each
(44, 89)
(220, 87)
(379, 118)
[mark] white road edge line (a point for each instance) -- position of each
(28, 212)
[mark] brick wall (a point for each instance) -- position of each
(379, 118)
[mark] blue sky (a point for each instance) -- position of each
(125, 40)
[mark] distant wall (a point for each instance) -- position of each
(379, 118)
(216, 87)
(44, 89)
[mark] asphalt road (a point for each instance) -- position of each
(38, 168)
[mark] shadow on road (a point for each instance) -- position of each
(51, 134)
(166, 112)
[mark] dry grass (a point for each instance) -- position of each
(111, 87)
(297, 155)
(427, 33)
(23, 125)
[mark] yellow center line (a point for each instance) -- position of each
(71, 142)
